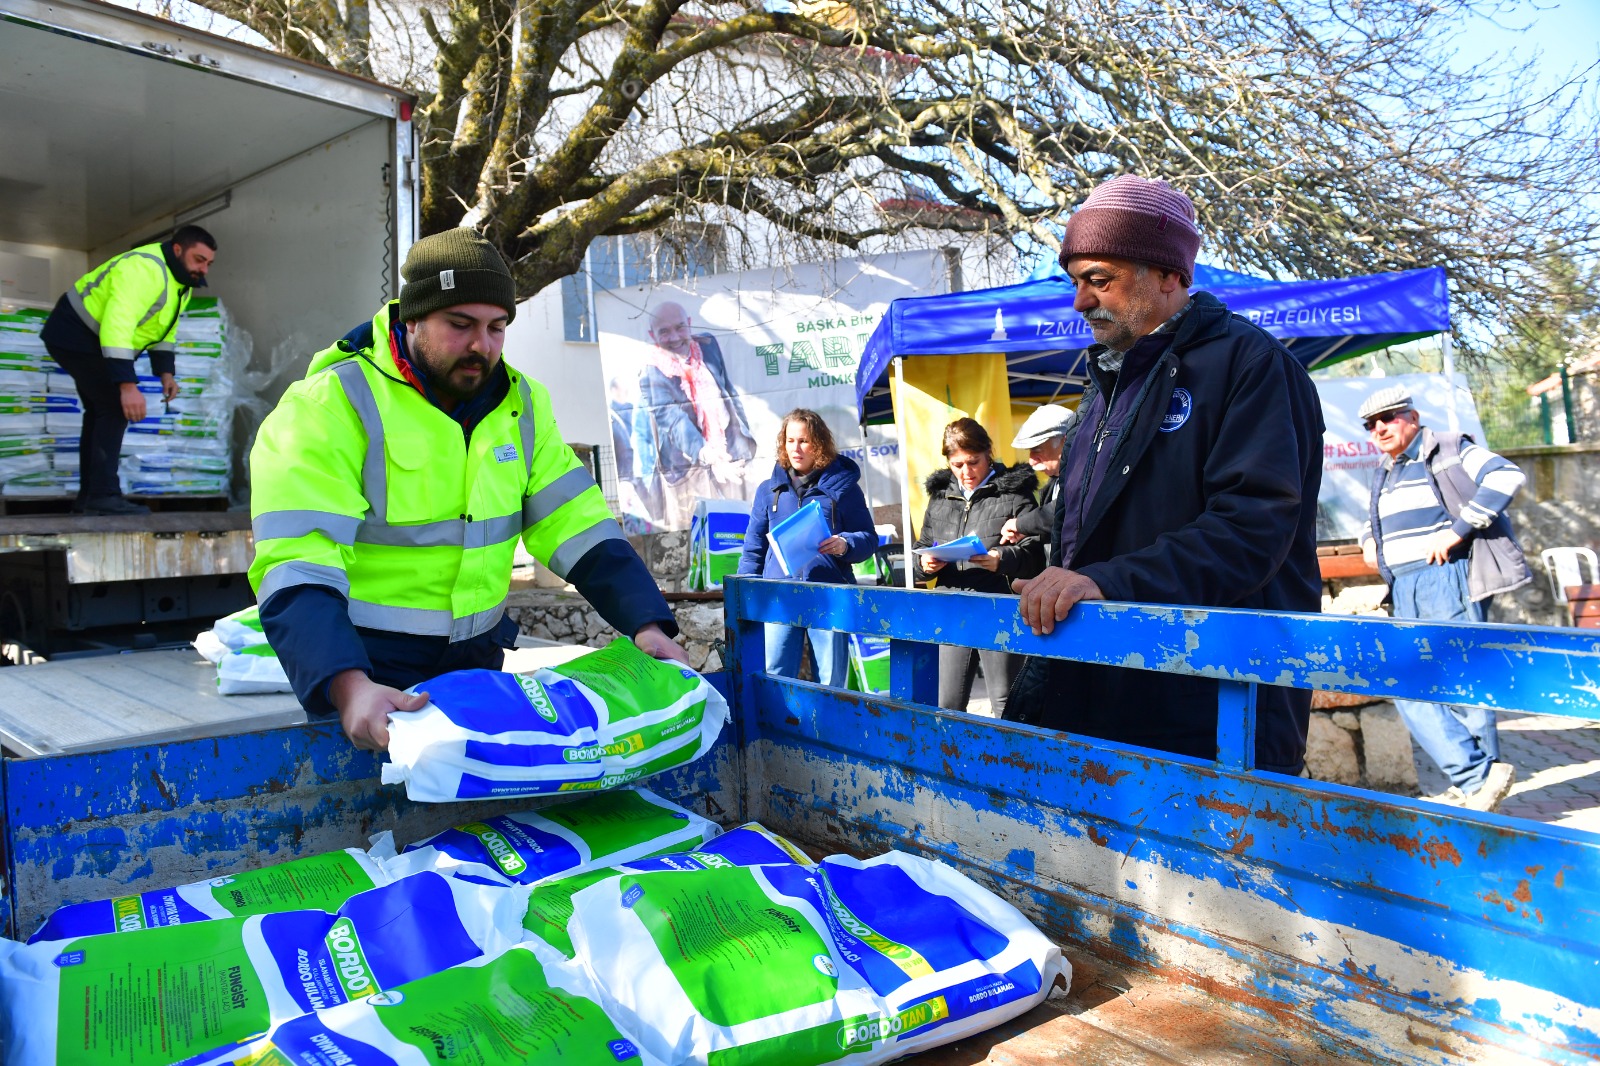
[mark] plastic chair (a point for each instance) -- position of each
(1562, 567)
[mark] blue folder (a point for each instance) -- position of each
(794, 540)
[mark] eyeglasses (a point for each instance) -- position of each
(1387, 416)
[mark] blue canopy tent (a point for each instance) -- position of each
(1043, 338)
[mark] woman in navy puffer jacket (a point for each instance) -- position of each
(809, 468)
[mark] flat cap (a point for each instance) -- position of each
(1393, 398)
(1048, 421)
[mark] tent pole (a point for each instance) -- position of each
(905, 469)
(1450, 382)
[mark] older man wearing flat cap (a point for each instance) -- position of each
(1191, 478)
(1437, 532)
(1044, 437)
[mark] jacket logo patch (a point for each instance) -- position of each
(1178, 410)
(506, 453)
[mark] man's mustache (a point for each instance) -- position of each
(467, 362)
(1099, 314)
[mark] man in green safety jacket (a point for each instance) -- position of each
(390, 487)
(127, 305)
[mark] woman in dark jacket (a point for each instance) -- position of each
(977, 495)
(810, 468)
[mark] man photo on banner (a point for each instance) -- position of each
(702, 438)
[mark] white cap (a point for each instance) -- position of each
(1047, 422)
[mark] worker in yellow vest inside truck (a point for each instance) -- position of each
(390, 487)
(126, 305)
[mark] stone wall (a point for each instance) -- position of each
(564, 616)
(1559, 506)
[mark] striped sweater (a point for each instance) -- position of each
(1410, 512)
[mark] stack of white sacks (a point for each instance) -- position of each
(179, 448)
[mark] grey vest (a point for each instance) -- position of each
(1495, 562)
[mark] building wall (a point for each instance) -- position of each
(1559, 506)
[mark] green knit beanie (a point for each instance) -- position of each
(452, 268)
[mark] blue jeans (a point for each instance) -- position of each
(1462, 740)
(829, 648)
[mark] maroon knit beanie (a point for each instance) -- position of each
(1136, 218)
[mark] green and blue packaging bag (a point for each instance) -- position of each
(603, 720)
(596, 830)
(172, 993)
(845, 961)
(550, 906)
(502, 1010)
(314, 882)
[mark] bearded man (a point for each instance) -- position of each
(1190, 478)
(390, 487)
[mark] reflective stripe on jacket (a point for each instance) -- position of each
(131, 303)
(360, 484)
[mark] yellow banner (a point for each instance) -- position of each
(937, 390)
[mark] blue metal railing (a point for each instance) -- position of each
(1549, 671)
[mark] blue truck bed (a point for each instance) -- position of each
(1213, 913)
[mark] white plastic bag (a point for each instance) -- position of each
(846, 961)
(163, 995)
(602, 720)
(550, 907)
(252, 669)
(322, 882)
(503, 1010)
(597, 830)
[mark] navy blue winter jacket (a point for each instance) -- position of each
(837, 489)
(1209, 499)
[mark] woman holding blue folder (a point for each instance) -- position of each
(975, 497)
(817, 516)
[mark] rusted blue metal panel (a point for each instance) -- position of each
(1393, 930)
(94, 825)
(1552, 671)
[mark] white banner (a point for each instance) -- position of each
(699, 375)
(1349, 458)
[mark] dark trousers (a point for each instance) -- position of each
(100, 439)
(957, 668)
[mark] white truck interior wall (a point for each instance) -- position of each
(300, 256)
(536, 345)
(66, 266)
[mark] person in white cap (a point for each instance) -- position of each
(1043, 436)
(1438, 534)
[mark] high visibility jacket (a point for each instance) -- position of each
(360, 484)
(131, 303)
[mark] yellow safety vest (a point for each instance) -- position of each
(360, 484)
(131, 302)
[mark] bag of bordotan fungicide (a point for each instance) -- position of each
(162, 995)
(315, 882)
(596, 830)
(845, 961)
(605, 719)
(510, 1008)
(550, 906)
(237, 631)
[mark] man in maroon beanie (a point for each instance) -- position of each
(1190, 478)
